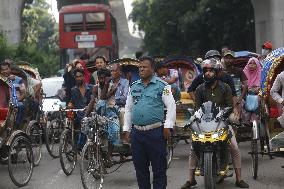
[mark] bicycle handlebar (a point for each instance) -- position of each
(72, 110)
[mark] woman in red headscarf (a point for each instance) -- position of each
(82, 65)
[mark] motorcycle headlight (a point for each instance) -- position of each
(201, 136)
(219, 133)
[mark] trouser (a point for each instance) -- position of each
(20, 113)
(121, 118)
(234, 150)
(149, 147)
(82, 138)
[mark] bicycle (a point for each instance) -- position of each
(52, 133)
(68, 143)
(94, 161)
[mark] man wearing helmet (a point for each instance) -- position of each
(223, 76)
(219, 93)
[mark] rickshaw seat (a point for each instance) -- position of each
(185, 98)
(274, 113)
(3, 114)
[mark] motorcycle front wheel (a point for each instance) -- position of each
(209, 177)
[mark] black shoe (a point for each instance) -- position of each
(241, 184)
(188, 184)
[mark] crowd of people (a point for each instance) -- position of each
(139, 107)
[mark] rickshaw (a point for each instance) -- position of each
(15, 144)
(129, 67)
(31, 80)
(187, 72)
(239, 60)
(273, 65)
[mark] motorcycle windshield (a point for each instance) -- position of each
(208, 122)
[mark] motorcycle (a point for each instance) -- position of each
(210, 142)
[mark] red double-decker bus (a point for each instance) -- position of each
(87, 28)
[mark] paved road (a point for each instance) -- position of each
(48, 175)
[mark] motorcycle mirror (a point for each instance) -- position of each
(227, 112)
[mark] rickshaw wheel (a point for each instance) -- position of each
(36, 138)
(20, 161)
(254, 156)
(92, 167)
(52, 137)
(67, 153)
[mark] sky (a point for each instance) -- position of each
(127, 5)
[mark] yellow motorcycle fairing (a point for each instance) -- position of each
(211, 137)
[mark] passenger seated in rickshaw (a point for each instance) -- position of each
(103, 102)
(171, 76)
(253, 73)
(18, 90)
(120, 87)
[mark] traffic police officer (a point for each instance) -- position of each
(144, 115)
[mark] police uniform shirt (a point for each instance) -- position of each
(145, 104)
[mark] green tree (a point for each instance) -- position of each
(191, 27)
(40, 38)
(38, 25)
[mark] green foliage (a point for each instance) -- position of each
(40, 38)
(5, 50)
(191, 27)
(47, 63)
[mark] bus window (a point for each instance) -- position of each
(73, 22)
(95, 21)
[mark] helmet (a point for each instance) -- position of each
(210, 64)
(212, 54)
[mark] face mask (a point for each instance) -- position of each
(264, 52)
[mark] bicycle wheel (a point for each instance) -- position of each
(20, 161)
(254, 156)
(91, 168)
(52, 137)
(67, 153)
(36, 138)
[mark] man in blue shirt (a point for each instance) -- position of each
(144, 117)
(120, 87)
(80, 97)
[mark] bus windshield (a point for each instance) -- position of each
(93, 21)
